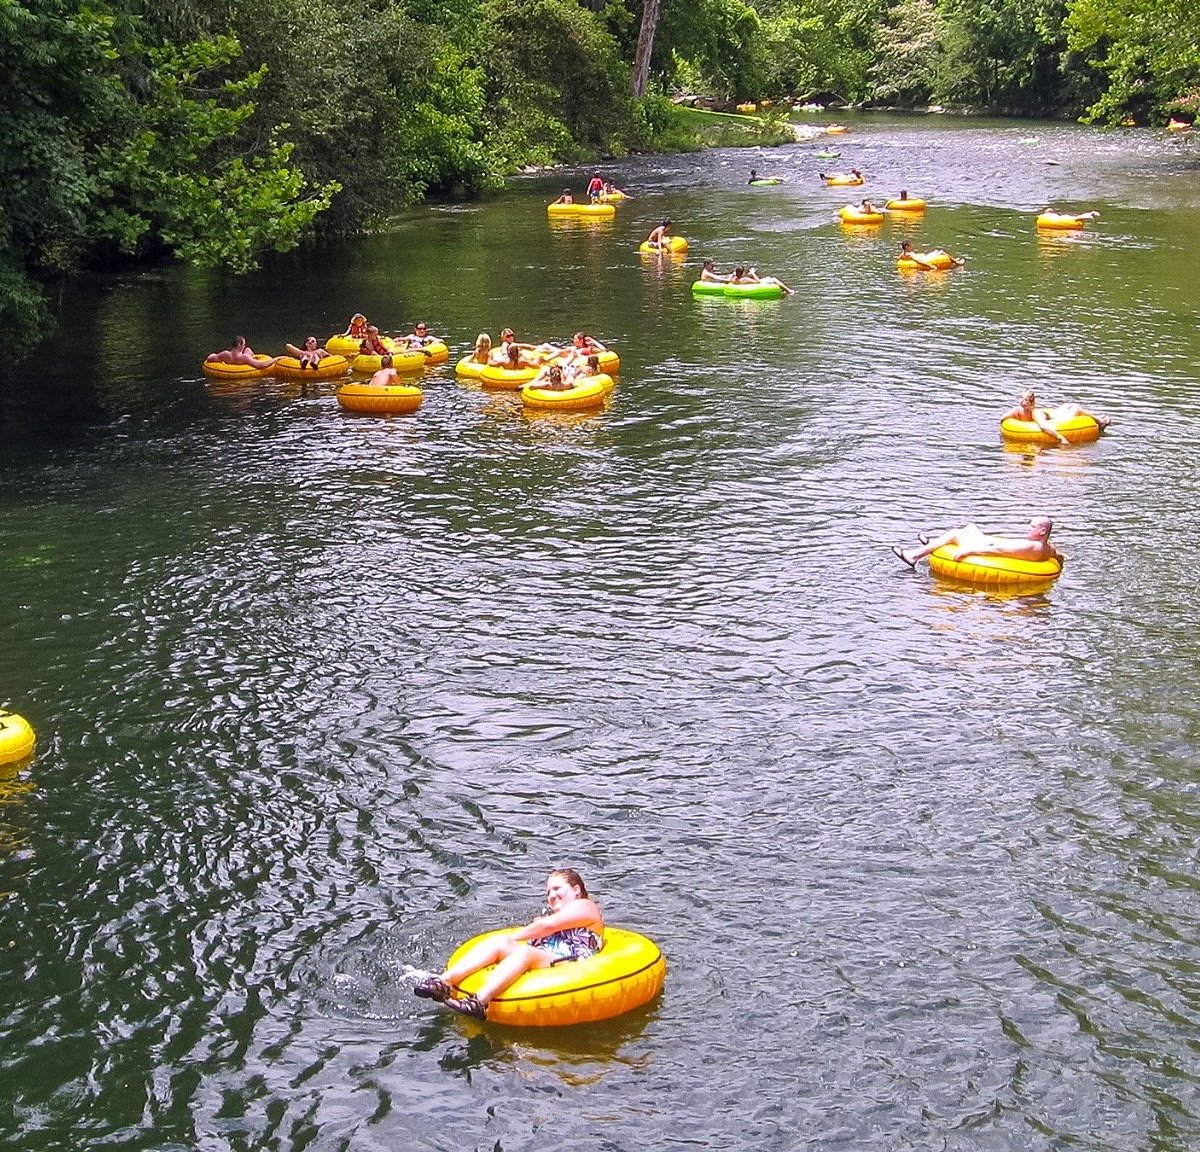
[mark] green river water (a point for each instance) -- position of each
(319, 696)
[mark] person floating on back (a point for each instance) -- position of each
(971, 540)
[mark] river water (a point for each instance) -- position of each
(319, 696)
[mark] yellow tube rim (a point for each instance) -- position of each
(625, 974)
(992, 571)
(16, 737)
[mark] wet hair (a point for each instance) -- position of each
(555, 375)
(385, 361)
(566, 191)
(666, 223)
(593, 362)
(708, 263)
(739, 271)
(514, 353)
(573, 878)
(483, 342)
(238, 340)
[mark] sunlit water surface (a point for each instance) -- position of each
(319, 696)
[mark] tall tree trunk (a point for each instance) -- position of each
(645, 46)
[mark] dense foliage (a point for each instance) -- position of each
(213, 131)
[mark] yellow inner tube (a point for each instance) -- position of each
(380, 399)
(939, 259)
(499, 379)
(469, 367)
(670, 244)
(625, 974)
(992, 571)
(1058, 220)
(330, 368)
(843, 181)
(342, 345)
(587, 392)
(16, 737)
(436, 352)
(218, 370)
(909, 204)
(851, 215)
(603, 210)
(401, 361)
(1077, 430)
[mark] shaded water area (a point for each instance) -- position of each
(319, 696)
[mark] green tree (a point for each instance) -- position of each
(1149, 51)
(909, 49)
(174, 179)
(1003, 54)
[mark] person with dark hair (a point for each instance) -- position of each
(565, 198)
(585, 345)
(709, 272)
(419, 337)
(572, 928)
(971, 540)
(240, 353)
(658, 236)
(594, 188)
(311, 355)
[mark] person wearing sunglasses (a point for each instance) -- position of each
(419, 337)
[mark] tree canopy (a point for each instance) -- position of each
(214, 131)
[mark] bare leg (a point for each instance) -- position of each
(958, 537)
(520, 960)
(484, 953)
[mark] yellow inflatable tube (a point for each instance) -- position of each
(1077, 430)
(498, 379)
(380, 399)
(992, 571)
(908, 204)
(401, 361)
(851, 215)
(605, 211)
(330, 368)
(670, 244)
(218, 370)
(342, 345)
(587, 393)
(625, 974)
(939, 259)
(469, 367)
(16, 737)
(842, 181)
(1059, 221)
(436, 352)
